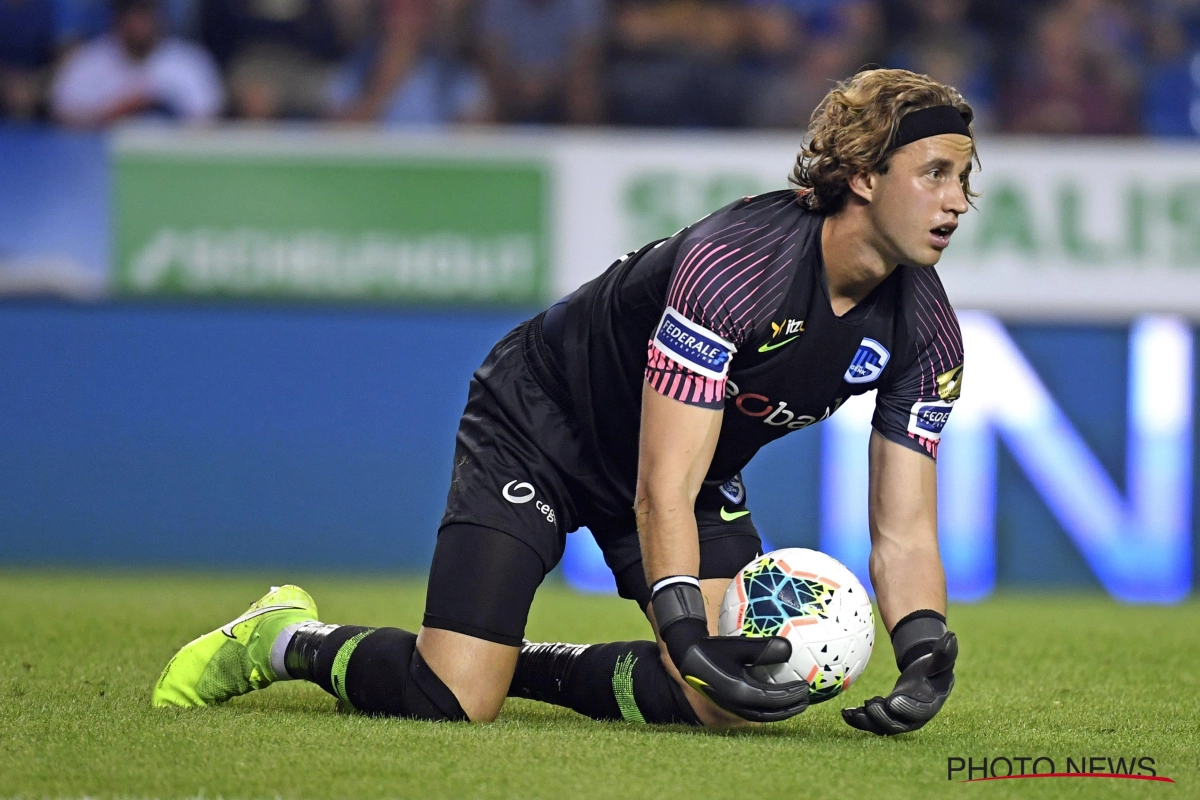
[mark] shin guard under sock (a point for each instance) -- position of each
(373, 670)
(622, 680)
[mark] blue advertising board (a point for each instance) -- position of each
(252, 437)
(54, 201)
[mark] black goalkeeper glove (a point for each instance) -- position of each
(925, 653)
(717, 666)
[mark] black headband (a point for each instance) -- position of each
(927, 122)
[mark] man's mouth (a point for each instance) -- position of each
(940, 236)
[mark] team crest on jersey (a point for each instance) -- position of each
(692, 345)
(734, 490)
(926, 419)
(868, 362)
(949, 384)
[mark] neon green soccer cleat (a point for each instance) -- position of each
(235, 658)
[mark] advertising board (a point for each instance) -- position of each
(328, 220)
(1061, 230)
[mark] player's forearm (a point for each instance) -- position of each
(667, 530)
(907, 576)
(906, 569)
(674, 451)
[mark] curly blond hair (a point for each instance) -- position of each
(851, 131)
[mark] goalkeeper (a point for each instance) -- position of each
(631, 408)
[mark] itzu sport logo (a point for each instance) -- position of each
(868, 362)
(520, 493)
(693, 346)
(787, 328)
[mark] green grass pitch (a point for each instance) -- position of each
(1055, 675)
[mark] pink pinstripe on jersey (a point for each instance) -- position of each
(730, 282)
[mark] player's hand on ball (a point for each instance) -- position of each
(719, 666)
(920, 693)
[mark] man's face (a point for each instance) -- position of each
(137, 28)
(916, 204)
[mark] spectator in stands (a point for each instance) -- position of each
(834, 41)
(942, 43)
(541, 59)
(136, 71)
(279, 55)
(406, 76)
(1171, 101)
(27, 46)
(680, 63)
(1072, 84)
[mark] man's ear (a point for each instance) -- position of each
(863, 185)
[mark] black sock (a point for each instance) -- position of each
(621, 680)
(373, 670)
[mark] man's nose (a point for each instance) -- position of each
(957, 200)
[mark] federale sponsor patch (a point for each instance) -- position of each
(927, 418)
(692, 345)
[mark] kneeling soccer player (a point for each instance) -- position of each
(632, 406)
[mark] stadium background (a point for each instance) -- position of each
(262, 330)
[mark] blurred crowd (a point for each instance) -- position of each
(1106, 67)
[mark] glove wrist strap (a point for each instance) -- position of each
(679, 611)
(915, 635)
(663, 583)
(675, 599)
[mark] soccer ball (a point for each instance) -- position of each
(813, 601)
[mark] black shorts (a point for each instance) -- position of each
(521, 470)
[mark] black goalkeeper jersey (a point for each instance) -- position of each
(734, 312)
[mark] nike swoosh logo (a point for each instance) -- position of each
(697, 684)
(730, 516)
(257, 612)
(768, 346)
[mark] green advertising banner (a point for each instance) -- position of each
(1062, 230)
(351, 226)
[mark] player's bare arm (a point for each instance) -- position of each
(906, 569)
(675, 449)
(910, 586)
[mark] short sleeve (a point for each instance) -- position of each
(913, 408)
(187, 79)
(729, 280)
(83, 86)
